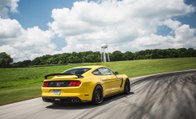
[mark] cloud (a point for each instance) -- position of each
(173, 24)
(123, 24)
(9, 29)
(23, 43)
(183, 36)
(7, 6)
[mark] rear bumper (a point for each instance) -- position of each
(63, 99)
(67, 93)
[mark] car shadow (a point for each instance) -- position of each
(86, 105)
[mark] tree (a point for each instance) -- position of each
(90, 56)
(36, 61)
(74, 59)
(191, 52)
(182, 52)
(5, 60)
(128, 56)
(24, 63)
(117, 56)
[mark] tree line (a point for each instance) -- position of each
(90, 57)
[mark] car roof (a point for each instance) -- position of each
(92, 66)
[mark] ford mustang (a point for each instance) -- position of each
(85, 83)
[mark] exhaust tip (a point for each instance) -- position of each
(75, 100)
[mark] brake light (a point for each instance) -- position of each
(45, 84)
(74, 83)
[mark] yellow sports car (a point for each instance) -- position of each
(85, 83)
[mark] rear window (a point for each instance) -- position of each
(76, 71)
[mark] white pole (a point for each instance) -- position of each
(108, 55)
(104, 56)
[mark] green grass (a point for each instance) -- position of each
(18, 84)
(144, 67)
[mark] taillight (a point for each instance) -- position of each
(74, 83)
(45, 84)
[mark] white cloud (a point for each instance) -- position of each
(173, 24)
(124, 25)
(23, 43)
(9, 29)
(7, 6)
(183, 36)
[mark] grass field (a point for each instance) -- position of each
(18, 84)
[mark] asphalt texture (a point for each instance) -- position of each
(165, 96)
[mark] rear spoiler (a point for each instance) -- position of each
(57, 74)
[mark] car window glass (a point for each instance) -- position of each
(77, 71)
(97, 72)
(105, 71)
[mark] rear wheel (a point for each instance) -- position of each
(127, 87)
(97, 95)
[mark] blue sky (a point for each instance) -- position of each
(189, 19)
(39, 27)
(38, 12)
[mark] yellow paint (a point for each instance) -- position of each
(111, 84)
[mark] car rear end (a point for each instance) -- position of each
(66, 90)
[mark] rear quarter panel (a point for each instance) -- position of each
(125, 77)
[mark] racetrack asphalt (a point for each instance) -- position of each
(163, 96)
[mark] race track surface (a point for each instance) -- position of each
(166, 96)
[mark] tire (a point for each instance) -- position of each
(127, 87)
(97, 95)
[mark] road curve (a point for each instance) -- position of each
(165, 96)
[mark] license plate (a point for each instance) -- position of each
(57, 99)
(56, 92)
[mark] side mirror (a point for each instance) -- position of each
(116, 73)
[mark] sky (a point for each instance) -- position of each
(32, 28)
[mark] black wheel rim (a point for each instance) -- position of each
(98, 96)
(127, 87)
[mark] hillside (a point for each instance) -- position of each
(18, 84)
